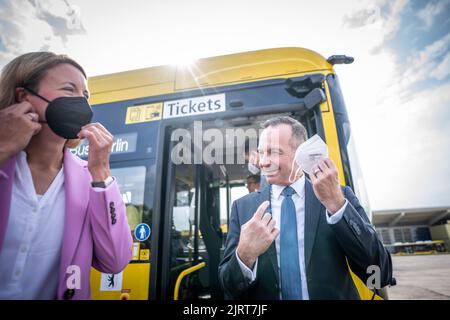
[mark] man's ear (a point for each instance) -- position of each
(21, 94)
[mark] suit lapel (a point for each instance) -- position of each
(272, 252)
(77, 195)
(264, 195)
(313, 210)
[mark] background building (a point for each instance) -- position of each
(412, 225)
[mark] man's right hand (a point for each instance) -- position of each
(256, 236)
(18, 124)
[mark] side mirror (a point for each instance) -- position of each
(314, 97)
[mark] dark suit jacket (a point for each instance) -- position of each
(326, 249)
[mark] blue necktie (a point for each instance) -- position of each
(291, 286)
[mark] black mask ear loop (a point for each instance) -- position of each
(37, 95)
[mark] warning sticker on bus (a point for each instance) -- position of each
(194, 106)
(143, 113)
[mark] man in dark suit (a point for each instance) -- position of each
(293, 238)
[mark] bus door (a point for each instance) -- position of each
(199, 197)
(210, 226)
(193, 237)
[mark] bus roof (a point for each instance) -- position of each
(207, 72)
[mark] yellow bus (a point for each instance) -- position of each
(186, 205)
(418, 247)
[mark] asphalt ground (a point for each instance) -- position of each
(421, 277)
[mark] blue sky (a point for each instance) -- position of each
(397, 91)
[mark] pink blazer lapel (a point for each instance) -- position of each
(76, 182)
(5, 196)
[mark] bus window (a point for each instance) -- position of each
(186, 245)
(418, 247)
(183, 228)
(135, 180)
(131, 182)
(236, 192)
(350, 161)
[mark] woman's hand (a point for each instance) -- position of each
(100, 143)
(19, 123)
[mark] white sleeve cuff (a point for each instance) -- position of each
(335, 218)
(249, 274)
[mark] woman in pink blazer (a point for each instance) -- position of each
(77, 219)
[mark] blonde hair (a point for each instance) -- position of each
(28, 70)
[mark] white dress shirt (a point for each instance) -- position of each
(29, 258)
(299, 201)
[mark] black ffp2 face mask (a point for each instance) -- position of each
(66, 115)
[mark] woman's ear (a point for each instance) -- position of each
(21, 94)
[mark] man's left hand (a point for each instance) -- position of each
(325, 180)
(100, 143)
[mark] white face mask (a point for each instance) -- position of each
(252, 161)
(253, 169)
(308, 154)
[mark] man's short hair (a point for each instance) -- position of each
(299, 132)
(250, 142)
(255, 177)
